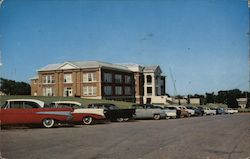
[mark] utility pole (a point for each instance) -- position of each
(174, 81)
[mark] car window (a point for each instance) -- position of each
(28, 104)
(16, 104)
(149, 106)
(4, 105)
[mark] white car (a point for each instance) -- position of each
(208, 111)
(230, 111)
(170, 113)
(78, 108)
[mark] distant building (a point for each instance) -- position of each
(2, 93)
(150, 84)
(194, 101)
(101, 80)
(242, 102)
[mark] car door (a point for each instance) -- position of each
(139, 111)
(150, 111)
(11, 112)
(19, 112)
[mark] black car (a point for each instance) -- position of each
(114, 113)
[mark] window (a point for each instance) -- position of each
(48, 79)
(149, 79)
(48, 91)
(127, 79)
(107, 77)
(118, 90)
(89, 77)
(16, 104)
(127, 90)
(89, 90)
(30, 105)
(118, 78)
(108, 90)
(149, 90)
(67, 78)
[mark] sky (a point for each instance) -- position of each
(204, 42)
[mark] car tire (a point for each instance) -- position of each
(88, 120)
(167, 117)
(48, 123)
(157, 116)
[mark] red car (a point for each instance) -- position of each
(31, 111)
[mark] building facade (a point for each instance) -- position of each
(90, 79)
(101, 80)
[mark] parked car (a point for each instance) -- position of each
(170, 113)
(148, 111)
(220, 111)
(190, 111)
(180, 112)
(114, 113)
(208, 111)
(230, 111)
(31, 111)
(81, 114)
(197, 111)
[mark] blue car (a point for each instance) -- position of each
(220, 111)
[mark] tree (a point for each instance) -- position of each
(210, 97)
(12, 87)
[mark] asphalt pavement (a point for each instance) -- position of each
(208, 137)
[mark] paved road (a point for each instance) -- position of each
(209, 137)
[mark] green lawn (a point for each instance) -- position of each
(81, 100)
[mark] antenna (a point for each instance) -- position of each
(1, 63)
(173, 80)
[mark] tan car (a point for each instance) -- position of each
(180, 112)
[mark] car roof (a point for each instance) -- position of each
(67, 102)
(41, 103)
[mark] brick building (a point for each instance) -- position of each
(100, 80)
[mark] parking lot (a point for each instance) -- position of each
(207, 137)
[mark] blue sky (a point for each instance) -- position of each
(205, 42)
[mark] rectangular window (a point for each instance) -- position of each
(118, 78)
(118, 90)
(89, 77)
(127, 90)
(48, 91)
(89, 90)
(108, 77)
(127, 79)
(47, 79)
(107, 90)
(67, 78)
(149, 90)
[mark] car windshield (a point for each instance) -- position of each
(4, 105)
(112, 107)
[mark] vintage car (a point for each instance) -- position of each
(197, 111)
(114, 113)
(180, 112)
(191, 112)
(170, 113)
(230, 111)
(148, 111)
(208, 111)
(81, 114)
(220, 111)
(31, 111)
